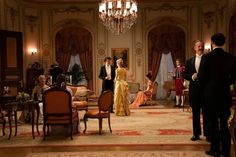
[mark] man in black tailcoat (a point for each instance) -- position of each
(107, 74)
(218, 73)
(192, 69)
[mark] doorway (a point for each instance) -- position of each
(11, 61)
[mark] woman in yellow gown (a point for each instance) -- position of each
(144, 95)
(121, 93)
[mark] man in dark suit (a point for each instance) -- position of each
(55, 71)
(107, 74)
(218, 73)
(193, 67)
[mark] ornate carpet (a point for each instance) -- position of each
(122, 154)
(144, 127)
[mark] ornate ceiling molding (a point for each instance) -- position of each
(208, 18)
(32, 20)
(167, 7)
(167, 21)
(13, 13)
(71, 9)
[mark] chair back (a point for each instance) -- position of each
(154, 92)
(57, 101)
(105, 101)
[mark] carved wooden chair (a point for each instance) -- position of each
(2, 121)
(7, 113)
(57, 109)
(105, 102)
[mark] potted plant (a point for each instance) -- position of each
(77, 74)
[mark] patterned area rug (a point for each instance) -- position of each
(143, 127)
(123, 154)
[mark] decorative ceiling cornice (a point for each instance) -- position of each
(72, 9)
(167, 7)
(13, 14)
(31, 20)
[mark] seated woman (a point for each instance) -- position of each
(39, 88)
(37, 93)
(142, 96)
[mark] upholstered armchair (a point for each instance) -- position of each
(105, 102)
(80, 95)
(57, 109)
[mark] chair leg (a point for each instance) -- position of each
(15, 117)
(85, 125)
(71, 131)
(100, 125)
(9, 119)
(109, 122)
(37, 118)
(3, 126)
(77, 125)
(47, 129)
(44, 132)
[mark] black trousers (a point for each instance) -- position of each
(196, 111)
(219, 133)
(107, 85)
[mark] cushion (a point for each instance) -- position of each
(81, 91)
(95, 114)
(80, 104)
(73, 89)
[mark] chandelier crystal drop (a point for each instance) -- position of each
(118, 15)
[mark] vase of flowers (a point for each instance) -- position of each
(22, 97)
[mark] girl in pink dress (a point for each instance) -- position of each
(144, 95)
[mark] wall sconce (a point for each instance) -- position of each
(33, 51)
(207, 47)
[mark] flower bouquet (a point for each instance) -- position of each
(22, 97)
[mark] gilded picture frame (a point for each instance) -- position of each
(123, 53)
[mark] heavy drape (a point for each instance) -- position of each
(165, 39)
(73, 41)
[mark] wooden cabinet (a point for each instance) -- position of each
(11, 61)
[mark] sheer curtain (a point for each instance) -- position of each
(76, 60)
(165, 73)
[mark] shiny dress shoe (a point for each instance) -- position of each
(211, 153)
(195, 138)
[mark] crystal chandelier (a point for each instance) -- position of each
(118, 15)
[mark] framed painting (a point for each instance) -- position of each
(123, 53)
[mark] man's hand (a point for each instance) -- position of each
(108, 78)
(194, 76)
